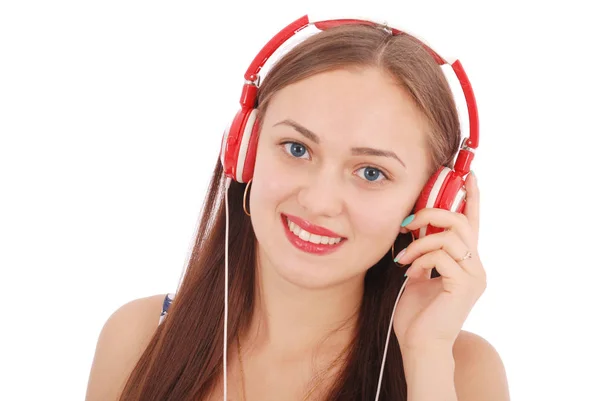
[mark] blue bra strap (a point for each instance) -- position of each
(165, 308)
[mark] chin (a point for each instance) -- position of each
(299, 270)
(307, 275)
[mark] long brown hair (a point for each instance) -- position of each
(183, 360)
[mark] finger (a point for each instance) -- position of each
(445, 219)
(447, 241)
(441, 261)
(404, 230)
(472, 202)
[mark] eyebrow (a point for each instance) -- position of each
(360, 151)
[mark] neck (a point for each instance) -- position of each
(293, 321)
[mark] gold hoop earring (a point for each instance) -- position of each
(245, 194)
(394, 253)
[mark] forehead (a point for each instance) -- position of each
(364, 106)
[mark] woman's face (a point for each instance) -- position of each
(345, 151)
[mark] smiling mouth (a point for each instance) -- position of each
(310, 237)
(310, 242)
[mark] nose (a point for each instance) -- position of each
(322, 195)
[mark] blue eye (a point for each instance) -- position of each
(295, 149)
(372, 174)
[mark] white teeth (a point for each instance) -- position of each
(314, 238)
(305, 235)
(295, 229)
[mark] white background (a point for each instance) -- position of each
(111, 115)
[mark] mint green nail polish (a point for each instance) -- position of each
(408, 220)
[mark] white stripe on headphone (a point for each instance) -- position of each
(243, 153)
(433, 195)
(286, 46)
(458, 199)
(459, 98)
(224, 143)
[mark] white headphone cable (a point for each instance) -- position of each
(387, 341)
(227, 183)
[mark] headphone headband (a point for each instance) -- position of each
(252, 78)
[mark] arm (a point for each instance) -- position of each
(470, 371)
(429, 374)
(123, 339)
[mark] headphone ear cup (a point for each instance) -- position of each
(235, 141)
(249, 145)
(444, 190)
(453, 196)
(230, 144)
(430, 198)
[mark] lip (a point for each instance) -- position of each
(311, 228)
(307, 246)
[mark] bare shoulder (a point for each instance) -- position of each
(479, 370)
(121, 342)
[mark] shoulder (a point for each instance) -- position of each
(479, 370)
(122, 340)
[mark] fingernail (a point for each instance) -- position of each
(400, 254)
(408, 220)
(472, 173)
(406, 274)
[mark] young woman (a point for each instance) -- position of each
(351, 126)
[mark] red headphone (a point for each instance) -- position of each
(445, 189)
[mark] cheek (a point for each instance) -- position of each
(380, 220)
(271, 182)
